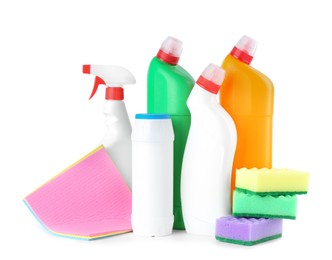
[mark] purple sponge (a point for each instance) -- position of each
(247, 231)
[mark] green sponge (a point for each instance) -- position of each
(268, 206)
(272, 181)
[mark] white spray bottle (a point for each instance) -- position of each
(117, 140)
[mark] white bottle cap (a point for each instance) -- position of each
(247, 45)
(245, 49)
(172, 46)
(170, 51)
(211, 78)
(214, 73)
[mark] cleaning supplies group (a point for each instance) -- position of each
(182, 157)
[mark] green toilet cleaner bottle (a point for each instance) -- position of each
(169, 86)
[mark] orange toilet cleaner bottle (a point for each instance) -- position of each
(248, 96)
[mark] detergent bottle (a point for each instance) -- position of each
(152, 193)
(208, 157)
(117, 139)
(169, 86)
(248, 96)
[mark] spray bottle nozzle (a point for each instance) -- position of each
(114, 77)
(86, 69)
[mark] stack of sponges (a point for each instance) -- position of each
(262, 198)
(269, 193)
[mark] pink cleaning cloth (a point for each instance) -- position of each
(88, 200)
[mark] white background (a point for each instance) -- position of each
(47, 121)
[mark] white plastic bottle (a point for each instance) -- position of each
(152, 191)
(117, 139)
(208, 157)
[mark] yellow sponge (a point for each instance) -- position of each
(272, 181)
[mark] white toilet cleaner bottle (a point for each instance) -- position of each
(208, 157)
(117, 139)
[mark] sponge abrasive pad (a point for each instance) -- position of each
(247, 231)
(251, 205)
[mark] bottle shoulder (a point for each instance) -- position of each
(174, 71)
(168, 88)
(114, 107)
(240, 71)
(245, 90)
(206, 112)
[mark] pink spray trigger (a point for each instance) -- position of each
(98, 81)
